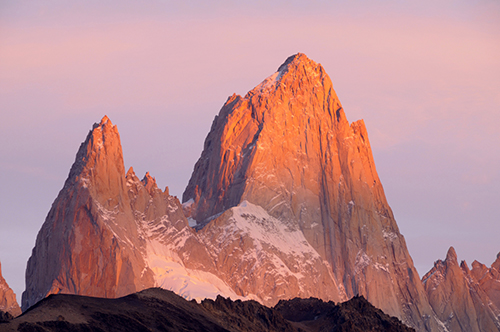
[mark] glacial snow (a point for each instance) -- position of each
(171, 274)
(254, 221)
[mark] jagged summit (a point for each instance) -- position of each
(99, 160)
(304, 101)
(451, 256)
(84, 245)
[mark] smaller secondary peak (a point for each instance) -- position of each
(148, 178)
(130, 172)
(105, 120)
(451, 256)
(149, 182)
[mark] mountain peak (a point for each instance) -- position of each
(149, 182)
(288, 149)
(99, 163)
(451, 256)
(295, 59)
(297, 75)
(105, 119)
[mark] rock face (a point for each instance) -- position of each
(262, 258)
(463, 299)
(287, 148)
(8, 302)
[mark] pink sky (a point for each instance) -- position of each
(424, 77)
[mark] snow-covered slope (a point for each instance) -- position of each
(263, 257)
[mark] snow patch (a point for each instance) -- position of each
(85, 182)
(254, 221)
(171, 274)
(362, 261)
(269, 82)
(391, 236)
(382, 267)
(188, 204)
(192, 222)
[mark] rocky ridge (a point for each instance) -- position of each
(464, 299)
(157, 309)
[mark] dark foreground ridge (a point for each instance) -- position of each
(156, 309)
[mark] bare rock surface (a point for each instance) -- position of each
(460, 297)
(488, 279)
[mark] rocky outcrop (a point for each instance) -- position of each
(8, 302)
(288, 148)
(460, 297)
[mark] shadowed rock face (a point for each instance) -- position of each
(288, 148)
(463, 299)
(8, 302)
(160, 310)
